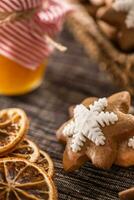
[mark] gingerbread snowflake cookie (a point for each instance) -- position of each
(128, 7)
(95, 130)
(119, 16)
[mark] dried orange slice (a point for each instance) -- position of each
(13, 127)
(23, 180)
(26, 149)
(46, 163)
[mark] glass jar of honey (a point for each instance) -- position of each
(16, 79)
(26, 32)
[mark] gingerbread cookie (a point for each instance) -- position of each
(108, 30)
(121, 12)
(111, 16)
(125, 38)
(127, 194)
(97, 2)
(95, 130)
(120, 15)
(125, 156)
(92, 6)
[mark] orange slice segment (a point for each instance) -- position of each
(23, 180)
(13, 127)
(46, 163)
(26, 149)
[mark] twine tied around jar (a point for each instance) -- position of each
(6, 17)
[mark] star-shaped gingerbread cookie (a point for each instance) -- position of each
(125, 155)
(119, 14)
(95, 131)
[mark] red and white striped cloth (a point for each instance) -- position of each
(24, 41)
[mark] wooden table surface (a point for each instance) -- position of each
(70, 78)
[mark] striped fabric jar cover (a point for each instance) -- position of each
(24, 40)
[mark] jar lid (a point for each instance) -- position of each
(25, 40)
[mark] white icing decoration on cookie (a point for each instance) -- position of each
(126, 6)
(131, 142)
(87, 124)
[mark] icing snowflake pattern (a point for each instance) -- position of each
(131, 143)
(126, 6)
(87, 124)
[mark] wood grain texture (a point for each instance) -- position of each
(70, 78)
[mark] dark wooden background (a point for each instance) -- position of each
(70, 78)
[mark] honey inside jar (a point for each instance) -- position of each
(17, 80)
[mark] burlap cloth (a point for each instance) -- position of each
(70, 78)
